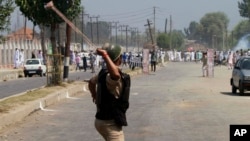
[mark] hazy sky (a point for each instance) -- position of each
(136, 12)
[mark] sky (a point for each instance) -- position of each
(135, 13)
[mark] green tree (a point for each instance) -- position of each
(244, 8)
(163, 41)
(34, 10)
(6, 8)
(177, 37)
(214, 25)
(192, 31)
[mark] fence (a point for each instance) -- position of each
(7, 50)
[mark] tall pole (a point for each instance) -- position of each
(75, 32)
(121, 33)
(154, 25)
(91, 29)
(110, 32)
(166, 24)
(115, 31)
(150, 32)
(97, 26)
(170, 32)
(138, 39)
(25, 25)
(97, 30)
(82, 27)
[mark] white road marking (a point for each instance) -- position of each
(84, 89)
(47, 110)
(134, 93)
(67, 96)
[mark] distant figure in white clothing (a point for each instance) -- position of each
(16, 58)
(40, 55)
(21, 57)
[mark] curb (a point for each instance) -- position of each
(25, 110)
(9, 75)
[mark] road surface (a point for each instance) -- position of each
(173, 104)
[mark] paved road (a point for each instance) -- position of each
(172, 104)
(12, 87)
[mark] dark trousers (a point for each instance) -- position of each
(153, 66)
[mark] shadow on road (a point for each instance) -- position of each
(237, 94)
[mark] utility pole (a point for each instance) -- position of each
(154, 25)
(121, 33)
(138, 39)
(97, 26)
(115, 30)
(75, 32)
(83, 24)
(150, 32)
(134, 38)
(91, 29)
(166, 24)
(97, 30)
(25, 27)
(126, 30)
(110, 31)
(170, 32)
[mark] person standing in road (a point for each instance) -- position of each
(16, 58)
(21, 57)
(78, 62)
(153, 59)
(40, 55)
(84, 61)
(110, 92)
(92, 62)
(124, 59)
(230, 60)
(204, 65)
(33, 55)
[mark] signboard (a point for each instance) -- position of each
(145, 61)
(210, 62)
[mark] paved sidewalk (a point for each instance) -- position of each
(10, 74)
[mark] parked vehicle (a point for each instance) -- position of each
(241, 75)
(34, 67)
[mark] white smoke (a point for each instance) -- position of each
(243, 43)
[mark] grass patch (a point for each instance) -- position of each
(12, 102)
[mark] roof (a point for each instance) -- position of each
(21, 34)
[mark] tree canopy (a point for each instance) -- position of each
(176, 38)
(192, 31)
(244, 8)
(6, 8)
(212, 27)
(34, 10)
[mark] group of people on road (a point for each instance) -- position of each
(226, 58)
(81, 61)
(19, 57)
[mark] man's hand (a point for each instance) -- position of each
(101, 52)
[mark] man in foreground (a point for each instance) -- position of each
(110, 92)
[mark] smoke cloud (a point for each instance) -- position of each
(243, 43)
